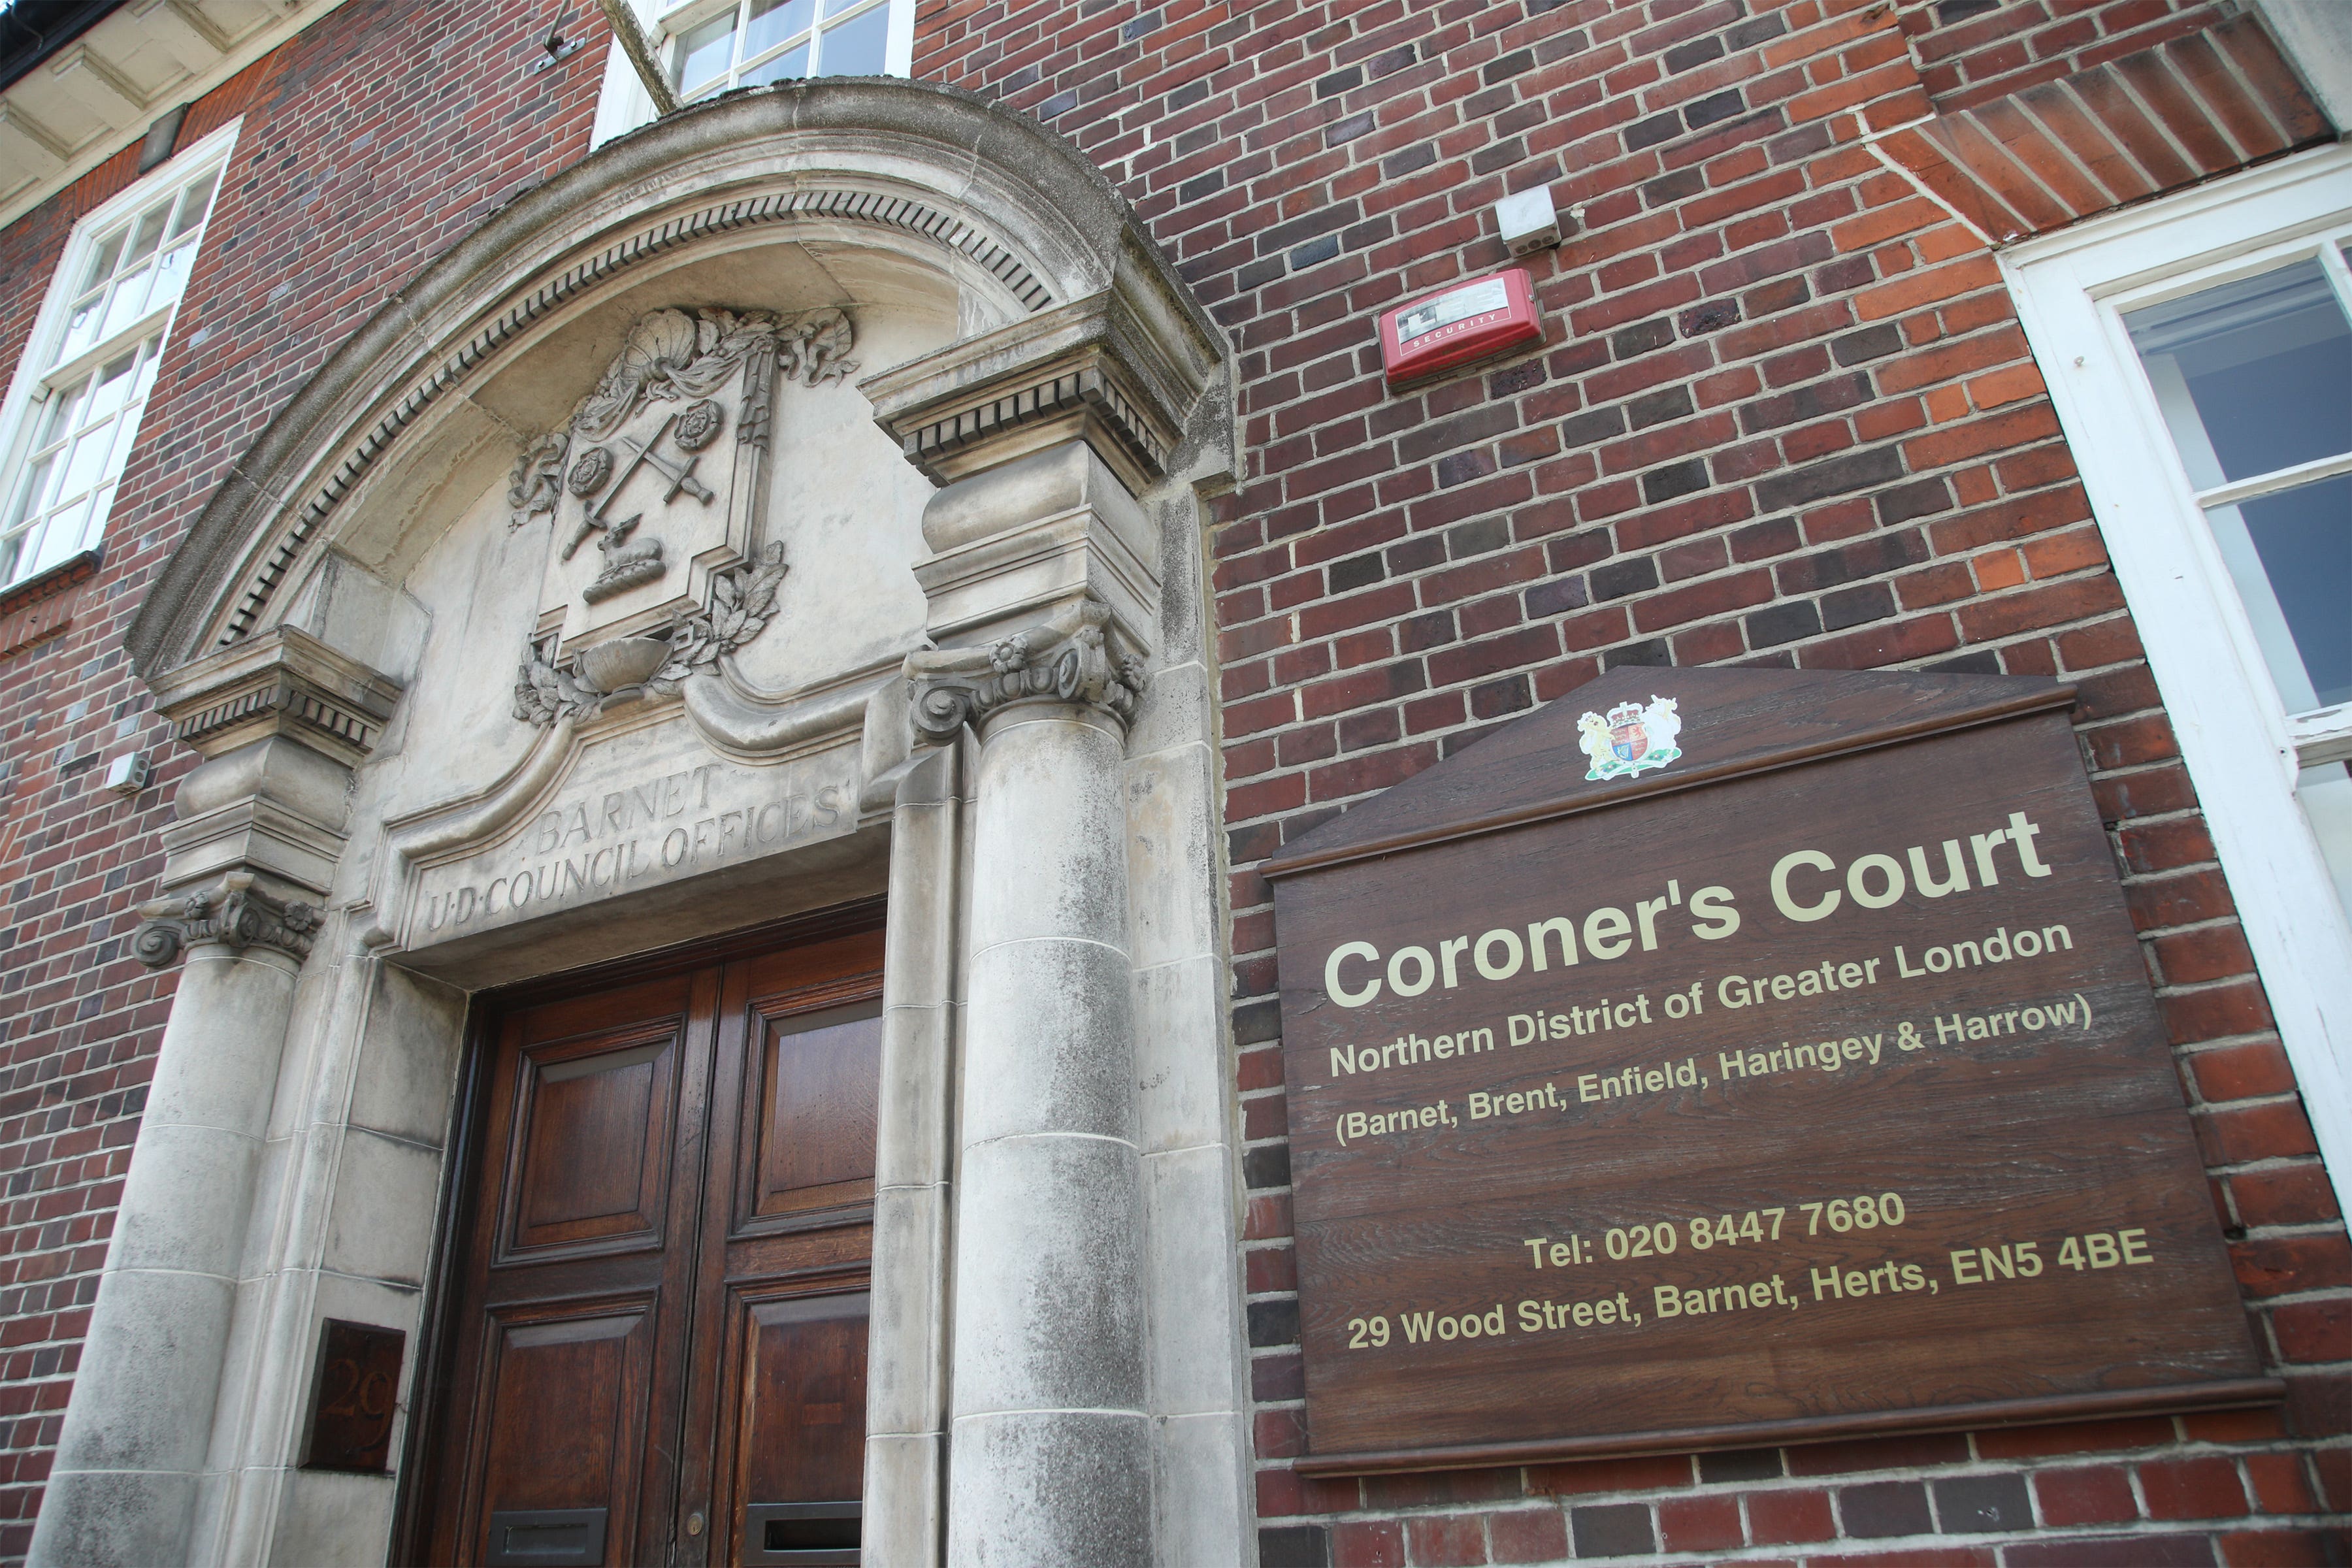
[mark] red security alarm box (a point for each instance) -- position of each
(1464, 321)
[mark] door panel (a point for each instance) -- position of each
(819, 1080)
(799, 1392)
(565, 1419)
(659, 1297)
(591, 1160)
(804, 1386)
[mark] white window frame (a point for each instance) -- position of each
(2243, 750)
(622, 104)
(19, 410)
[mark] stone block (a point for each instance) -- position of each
(184, 1206)
(1048, 1270)
(1197, 1356)
(381, 1223)
(905, 1390)
(1064, 1487)
(1180, 1071)
(151, 1368)
(1046, 1042)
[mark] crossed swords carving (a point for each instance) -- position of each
(679, 474)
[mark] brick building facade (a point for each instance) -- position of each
(1785, 412)
(358, 157)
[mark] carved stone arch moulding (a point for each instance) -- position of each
(457, 366)
(990, 188)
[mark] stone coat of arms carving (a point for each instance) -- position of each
(655, 489)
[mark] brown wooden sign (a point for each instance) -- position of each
(1730, 1057)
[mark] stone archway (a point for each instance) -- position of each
(990, 696)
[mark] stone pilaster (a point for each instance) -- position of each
(281, 720)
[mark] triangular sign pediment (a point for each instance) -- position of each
(1732, 722)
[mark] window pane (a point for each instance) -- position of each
(706, 52)
(855, 46)
(71, 531)
(128, 304)
(64, 409)
(34, 494)
(101, 262)
(792, 63)
(193, 203)
(171, 276)
(151, 231)
(2297, 556)
(56, 536)
(86, 468)
(773, 21)
(836, 7)
(113, 388)
(2254, 375)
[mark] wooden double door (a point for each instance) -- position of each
(655, 1329)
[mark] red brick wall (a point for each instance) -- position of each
(1971, 50)
(1784, 413)
(369, 145)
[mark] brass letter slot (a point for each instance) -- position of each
(802, 1533)
(545, 1538)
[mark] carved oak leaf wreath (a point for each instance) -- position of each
(742, 603)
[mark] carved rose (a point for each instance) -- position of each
(698, 427)
(1010, 655)
(811, 347)
(589, 474)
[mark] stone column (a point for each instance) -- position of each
(1051, 1430)
(281, 720)
(1051, 440)
(123, 1488)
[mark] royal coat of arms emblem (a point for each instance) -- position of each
(1631, 738)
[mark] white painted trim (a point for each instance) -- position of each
(214, 153)
(622, 102)
(899, 54)
(2235, 736)
(2284, 479)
